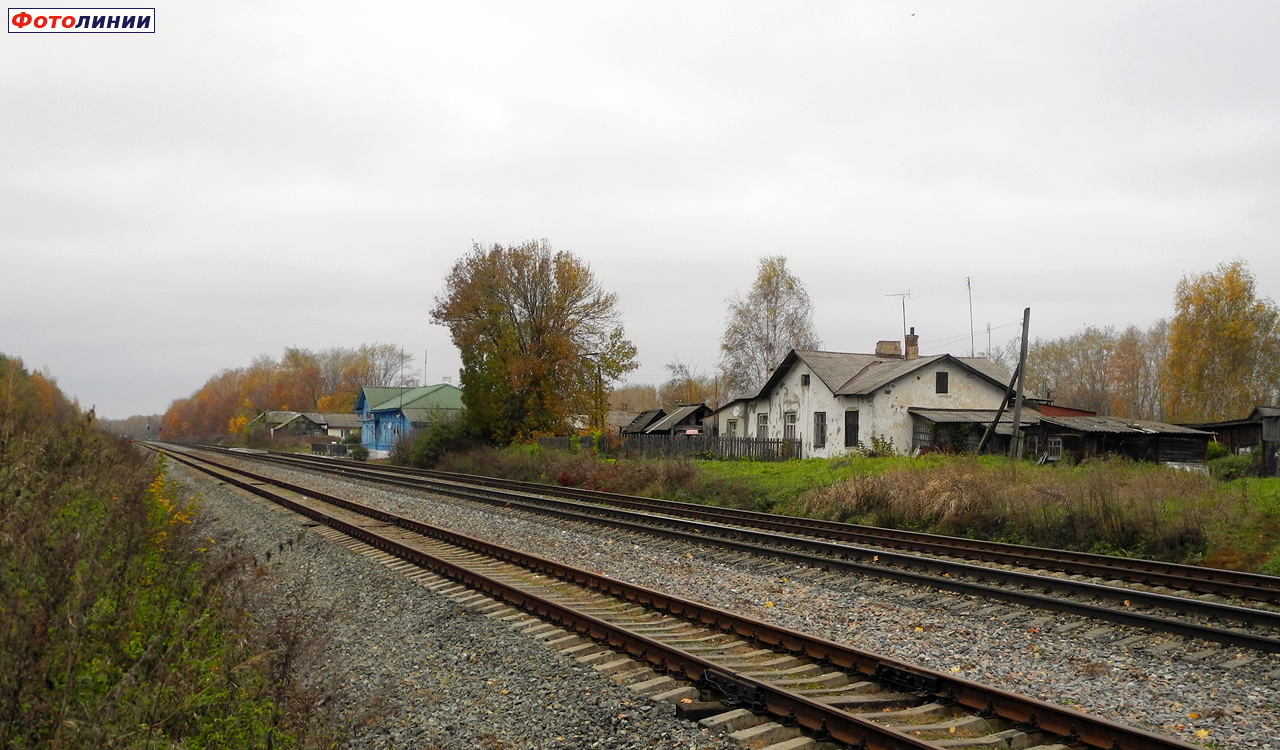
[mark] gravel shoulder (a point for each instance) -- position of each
(408, 668)
(1197, 692)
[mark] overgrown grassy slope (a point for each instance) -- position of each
(115, 630)
(1112, 507)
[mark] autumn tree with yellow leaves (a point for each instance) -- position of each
(541, 341)
(302, 380)
(1224, 347)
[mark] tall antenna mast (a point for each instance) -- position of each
(968, 282)
(905, 296)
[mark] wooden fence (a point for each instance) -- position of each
(710, 446)
(558, 443)
(703, 446)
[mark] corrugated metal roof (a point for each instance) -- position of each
(643, 420)
(377, 394)
(427, 416)
(1117, 425)
(672, 419)
(986, 367)
(440, 396)
(1258, 414)
(849, 374)
(882, 373)
(835, 368)
(340, 420)
(979, 416)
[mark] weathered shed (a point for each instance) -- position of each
(643, 421)
(292, 423)
(961, 430)
(338, 424)
(1142, 440)
(1257, 435)
(685, 419)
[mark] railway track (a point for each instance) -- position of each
(1192, 579)
(770, 686)
(1210, 621)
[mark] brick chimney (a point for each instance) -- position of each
(888, 349)
(913, 344)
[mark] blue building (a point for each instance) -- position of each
(386, 412)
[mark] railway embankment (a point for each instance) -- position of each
(119, 623)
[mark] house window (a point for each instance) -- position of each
(940, 382)
(789, 426)
(819, 429)
(804, 379)
(921, 435)
(731, 428)
(1055, 448)
(762, 426)
(851, 429)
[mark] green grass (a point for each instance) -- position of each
(1110, 507)
(1245, 527)
(779, 484)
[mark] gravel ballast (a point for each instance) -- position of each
(409, 668)
(1194, 691)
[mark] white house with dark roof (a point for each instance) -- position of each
(834, 401)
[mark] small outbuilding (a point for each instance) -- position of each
(643, 421)
(296, 423)
(686, 419)
(961, 430)
(1057, 437)
(1256, 435)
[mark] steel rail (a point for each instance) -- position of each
(1195, 578)
(829, 555)
(1192, 578)
(825, 720)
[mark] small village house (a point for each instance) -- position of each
(306, 423)
(387, 412)
(832, 402)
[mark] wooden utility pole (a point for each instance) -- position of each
(1004, 404)
(1015, 442)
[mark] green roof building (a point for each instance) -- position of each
(388, 412)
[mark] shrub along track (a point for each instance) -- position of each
(1021, 586)
(685, 651)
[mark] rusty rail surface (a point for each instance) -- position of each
(1193, 578)
(941, 574)
(825, 720)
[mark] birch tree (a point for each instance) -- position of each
(775, 317)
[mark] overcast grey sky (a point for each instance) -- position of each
(270, 174)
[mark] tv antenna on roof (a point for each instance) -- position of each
(905, 296)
